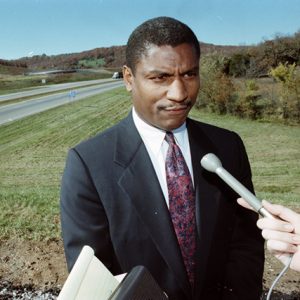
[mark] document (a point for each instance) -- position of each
(89, 279)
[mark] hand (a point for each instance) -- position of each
(282, 235)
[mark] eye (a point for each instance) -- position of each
(191, 74)
(160, 78)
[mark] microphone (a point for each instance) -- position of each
(211, 163)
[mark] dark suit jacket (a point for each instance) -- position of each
(111, 200)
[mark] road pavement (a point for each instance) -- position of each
(12, 112)
(51, 88)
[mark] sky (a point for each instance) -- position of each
(35, 27)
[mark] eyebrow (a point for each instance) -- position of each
(162, 72)
(157, 72)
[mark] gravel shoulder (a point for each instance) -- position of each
(37, 270)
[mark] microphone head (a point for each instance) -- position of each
(210, 162)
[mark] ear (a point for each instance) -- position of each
(128, 78)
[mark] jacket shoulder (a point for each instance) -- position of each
(210, 130)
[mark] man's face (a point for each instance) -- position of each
(165, 85)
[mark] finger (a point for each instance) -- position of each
(275, 224)
(285, 237)
(283, 257)
(295, 263)
(275, 209)
(283, 212)
(278, 246)
(243, 203)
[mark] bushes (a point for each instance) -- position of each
(217, 89)
(289, 97)
(250, 98)
(257, 60)
(239, 64)
(248, 104)
(91, 63)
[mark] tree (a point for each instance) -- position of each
(289, 78)
(238, 64)
(248, 103)
(217, 89)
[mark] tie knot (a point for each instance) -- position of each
(170, 137)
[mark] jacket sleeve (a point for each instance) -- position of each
(83, 218)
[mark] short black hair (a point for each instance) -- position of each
(160, 31)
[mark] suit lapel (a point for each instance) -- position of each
(140, 183)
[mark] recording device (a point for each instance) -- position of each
(138, 285)
(211, 163)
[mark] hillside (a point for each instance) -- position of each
(107, 57)
(255, 60)
(12, 67)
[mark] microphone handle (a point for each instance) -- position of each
(243, 192)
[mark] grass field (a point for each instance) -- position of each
(33, 152)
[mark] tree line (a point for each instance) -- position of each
(239, 61)
(256, 61)
(261, 82)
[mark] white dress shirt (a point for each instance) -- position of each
(157, 147)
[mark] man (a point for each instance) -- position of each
(118, 188)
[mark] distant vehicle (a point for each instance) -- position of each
(117, 75)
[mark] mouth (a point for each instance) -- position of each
(176, 108)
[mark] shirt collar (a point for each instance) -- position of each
(154, 136)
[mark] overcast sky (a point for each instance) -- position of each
(34, 27)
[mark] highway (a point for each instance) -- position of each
(52, 88)
(12, 112)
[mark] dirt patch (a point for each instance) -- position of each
(41, 265)
(289, 284)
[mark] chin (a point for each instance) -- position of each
(172, 126)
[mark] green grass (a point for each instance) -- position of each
(33, 152)
(274, 154)
(92, 62)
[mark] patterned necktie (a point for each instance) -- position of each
(181, 203)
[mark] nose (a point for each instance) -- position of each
(177, 91)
